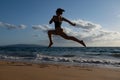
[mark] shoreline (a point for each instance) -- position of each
(11, 70)
(96, 64)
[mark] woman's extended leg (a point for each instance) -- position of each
(72, 38)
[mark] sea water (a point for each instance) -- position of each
(94, 56)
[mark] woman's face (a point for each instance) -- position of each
(59, 13)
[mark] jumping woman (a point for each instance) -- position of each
(57, 19)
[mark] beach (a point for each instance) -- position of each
(10, 70)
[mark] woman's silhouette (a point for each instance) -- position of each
(57, 19)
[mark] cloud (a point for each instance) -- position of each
(11, 26)
(103, 36)
(86, 25)
(22, 26)
(7, 25)
(43, 28)
(95, 32)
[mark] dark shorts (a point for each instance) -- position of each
(58, 31)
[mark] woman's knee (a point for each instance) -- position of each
(49, 32)
(67, 37)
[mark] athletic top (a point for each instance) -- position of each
(57, 24)
(57, 21)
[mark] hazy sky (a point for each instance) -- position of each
(26, 21)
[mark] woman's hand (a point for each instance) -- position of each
(73, 24)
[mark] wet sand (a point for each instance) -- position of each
(29, 71)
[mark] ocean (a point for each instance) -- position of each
(90, 56)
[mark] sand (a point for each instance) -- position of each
(29, 71)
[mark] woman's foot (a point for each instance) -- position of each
(82, 43)
(51, 43)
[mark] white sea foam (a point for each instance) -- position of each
(58, 59)
(92, 56)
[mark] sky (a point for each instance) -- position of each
(27, 22)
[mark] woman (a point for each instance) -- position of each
(57, 19)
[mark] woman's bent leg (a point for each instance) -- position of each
(50, 32)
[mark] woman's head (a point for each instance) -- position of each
(60, 11)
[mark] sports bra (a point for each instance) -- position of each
(57, 24)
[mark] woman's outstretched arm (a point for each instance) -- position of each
(66, 20)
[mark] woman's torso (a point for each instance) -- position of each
(57, 21)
